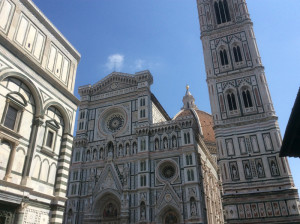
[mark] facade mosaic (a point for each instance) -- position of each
(132, 163)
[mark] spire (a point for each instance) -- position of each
(188, 100)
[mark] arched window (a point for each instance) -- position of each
(237, 54)
(189, 159)
(231, 101)
(223, 57)
(77, 156)
(217, 11)
(187, 139)
(222, 11)
(226, 8)
(190, 175)
(143, 180)
(247, 98)
(143, 145)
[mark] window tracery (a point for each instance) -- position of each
(222, 11)
(231, 101)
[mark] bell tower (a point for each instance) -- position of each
(257, 184)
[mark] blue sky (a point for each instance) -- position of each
(164, 37)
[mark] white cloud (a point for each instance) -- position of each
(115, 62)
(139, 64)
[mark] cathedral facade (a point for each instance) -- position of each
(37, 111)
(257, 184)
(132, 163)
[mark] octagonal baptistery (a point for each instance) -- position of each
(132, 163)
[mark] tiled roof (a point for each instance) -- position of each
(206, 121)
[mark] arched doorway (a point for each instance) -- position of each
(108, 209)
(171, 217)
(111, 213)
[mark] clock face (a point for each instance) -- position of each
(115, 122)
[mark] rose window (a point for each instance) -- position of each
(168, 171)
(115, 122)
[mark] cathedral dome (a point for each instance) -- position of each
(204, 119)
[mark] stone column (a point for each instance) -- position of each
(11, 159)
(32, 145)
(61, 183)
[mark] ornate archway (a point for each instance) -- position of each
(170, 217)
(108, 209)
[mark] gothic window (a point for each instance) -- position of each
(143, 113)
(189, 159)
(82, 114)
(77, 156)
(190, 175)
(187, 138)
(217, 10)
(237, 54)
(231, 101)
(74, 189)
(247, 98)
(143, 165)
(75, 175)
(143, 180)
(81, 124)
(222, 11)
(142, 102)
(223, 57)
(143, 145)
